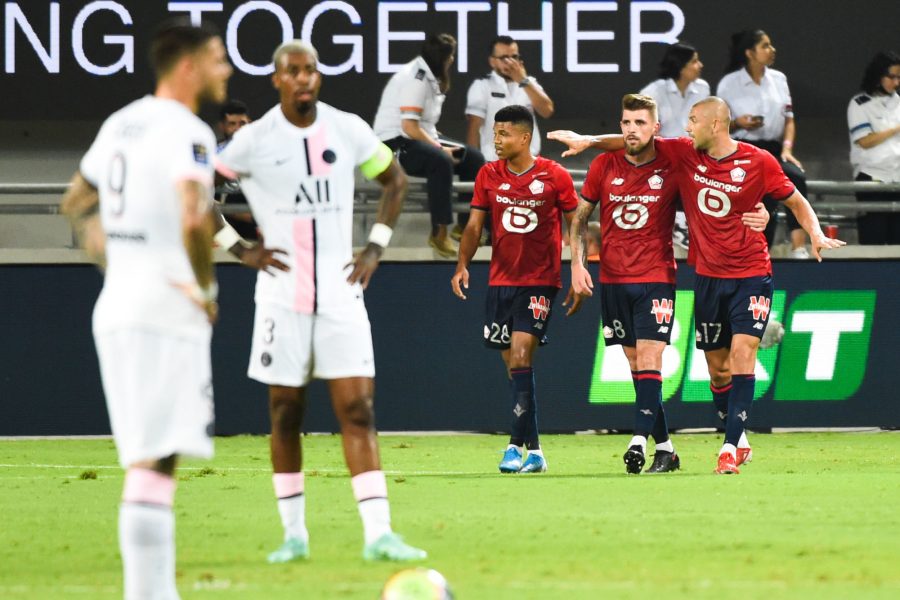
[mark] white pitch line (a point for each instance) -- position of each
(239, 469)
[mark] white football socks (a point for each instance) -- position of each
(743, 442)
(370, 491)
(665, 446)
(730, 449)
(147, 544)
(147, 535)
(639, 440)
(290, 492)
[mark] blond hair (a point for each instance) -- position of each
(294, 47)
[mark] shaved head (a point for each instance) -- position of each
(715, 108)
(708, 122)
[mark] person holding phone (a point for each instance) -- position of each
(760, 100)
(406, 122)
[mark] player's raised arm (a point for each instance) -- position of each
(810, 222)
(81, 205)
(578, 143)
(393, 183)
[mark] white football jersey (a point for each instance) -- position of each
(299, 184)
(136, 162)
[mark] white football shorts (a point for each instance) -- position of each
(291, 348)
(158, 393)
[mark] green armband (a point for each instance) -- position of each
(378, 163)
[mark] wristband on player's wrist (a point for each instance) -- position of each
(227, 237)
(380, 235)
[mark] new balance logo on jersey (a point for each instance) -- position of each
(663, 329)
(701, 168)
(536, 187)
(663, 310)
(503, 187)
(646, 411)
(760, 306)
(539, 307)
(617, 181)
(758, 326)
(655, 182)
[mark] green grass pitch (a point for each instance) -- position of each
(814, 516)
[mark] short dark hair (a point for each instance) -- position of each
(517, 115)
(175, 38)
(500, 39)
(740, 43)
(876, 69)
(436, 49)
(233, 107)
(674, 60)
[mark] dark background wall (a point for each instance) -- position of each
(822, 46)
(434, 373)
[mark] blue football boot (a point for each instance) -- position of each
(535, 463)
(512, 460)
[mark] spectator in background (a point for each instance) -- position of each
(406, 121)
(873, 119)
(763, 115)
(508, 83)
(679, 86)
(232, 116)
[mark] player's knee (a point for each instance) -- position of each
(648, 359)
(358, 412)
(519, 358)
(286, 414)
(719, 374)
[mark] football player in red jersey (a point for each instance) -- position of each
(636, 190)
(524, 196)
(721, 179)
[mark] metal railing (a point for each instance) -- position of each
(367, 194)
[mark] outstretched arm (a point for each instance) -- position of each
(810, 223)
(578, 143)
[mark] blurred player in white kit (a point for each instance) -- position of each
(141, 200)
